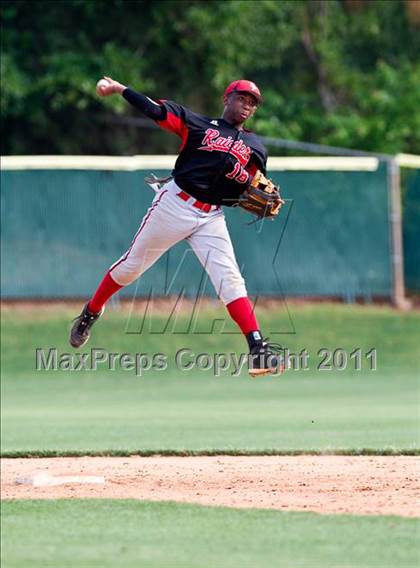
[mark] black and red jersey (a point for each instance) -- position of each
(216, 159)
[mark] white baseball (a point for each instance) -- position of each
(101, 85)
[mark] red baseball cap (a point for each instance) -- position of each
(244, 87)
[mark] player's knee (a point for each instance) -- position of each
(232, 288)
(125, 275)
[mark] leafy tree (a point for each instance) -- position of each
(330, 73)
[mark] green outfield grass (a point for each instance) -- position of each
(127, 533)
(97, 411)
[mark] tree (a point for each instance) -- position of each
(330, 73)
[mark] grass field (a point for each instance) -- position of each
(312, 410)
(78, 412)
(96, 533)
(100, 413)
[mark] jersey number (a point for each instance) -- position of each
(238, 173)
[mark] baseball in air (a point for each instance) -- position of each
(101, 85)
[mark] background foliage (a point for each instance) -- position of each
(335, 72)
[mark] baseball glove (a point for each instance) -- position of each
(261, 197)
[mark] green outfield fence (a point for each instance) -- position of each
(65, 219)
(411, 228)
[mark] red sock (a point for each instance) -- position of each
(105, 290)
(241, 312)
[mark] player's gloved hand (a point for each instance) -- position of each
(261, 197)
(107, 86)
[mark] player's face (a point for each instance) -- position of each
(240, 107)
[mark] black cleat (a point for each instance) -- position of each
(266, 358)
(80, 331)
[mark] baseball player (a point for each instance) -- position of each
(218, 157)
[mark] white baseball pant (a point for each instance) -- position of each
(170, 220)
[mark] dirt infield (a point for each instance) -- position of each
(325, 484)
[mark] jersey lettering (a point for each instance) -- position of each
(213, 141)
